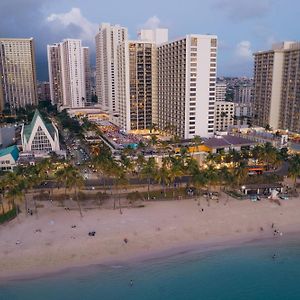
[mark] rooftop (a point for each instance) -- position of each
(227, 141)
(13, 150)
(28, 128)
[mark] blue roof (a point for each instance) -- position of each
(13, 150)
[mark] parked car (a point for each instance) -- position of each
(284, 197)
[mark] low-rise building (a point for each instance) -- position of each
(39, 136)
(221, 91)
(7, 136)
(224, 115)
(226, 143)
(8, 158)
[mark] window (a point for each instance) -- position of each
(41, 142)
(213, 43)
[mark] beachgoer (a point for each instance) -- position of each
(272, 225)
(131, 282)
(125, 240)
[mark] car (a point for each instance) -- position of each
(253, 198)
(284, 197)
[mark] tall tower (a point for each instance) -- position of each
(107, 40)
(55, 74)
(67, 73)
(187, 85)
(277, 87)
(18, 73)
(87, 75)
(137, 85)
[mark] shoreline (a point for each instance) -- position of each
(55, 256)
(180, 251)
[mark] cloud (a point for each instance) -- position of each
(74, 24)
(243, 50)
(239, 10)
(152, 23)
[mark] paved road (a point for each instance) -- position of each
(89, 183)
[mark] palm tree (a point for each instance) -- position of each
(2, 191)
(76, 182)
(240, 173)
(163, 175)
(199, 178)
(191, 166)
(225, 176)
(148, 171)
(121, 181)
(176, 169)
(197, 141)
(212, 177)
(14, 188)
(65, 175)
(140, 162)
(294, 168)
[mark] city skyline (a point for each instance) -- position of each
(242, 27)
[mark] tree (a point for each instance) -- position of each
(153, 140)
(268, 127)
(212, 177)
(13, 187)
(199, 178)
(294, 168)
(149, 169)
(76, 182)
(65, 175)
(240, 173)
(163, 175)
(196, 142)
(72, 179)
(176, 169)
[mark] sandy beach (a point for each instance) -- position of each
(58, 239)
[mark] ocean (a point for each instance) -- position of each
(248, 271)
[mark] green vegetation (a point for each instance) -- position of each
(11, 214)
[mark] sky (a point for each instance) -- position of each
(242, 26)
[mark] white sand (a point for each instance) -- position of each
(157, 227)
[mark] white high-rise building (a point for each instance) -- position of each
(221, 91)
(187, 85)
(107, 40)
(157, 36)
(67, 73)
(137, 85)
(73, 76)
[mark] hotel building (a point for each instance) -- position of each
(277, 87)
(107, 40)
(17, 73)
(137, 85)
(187, 85)
(67, 73)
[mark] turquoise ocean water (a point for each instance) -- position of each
(239, 273)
